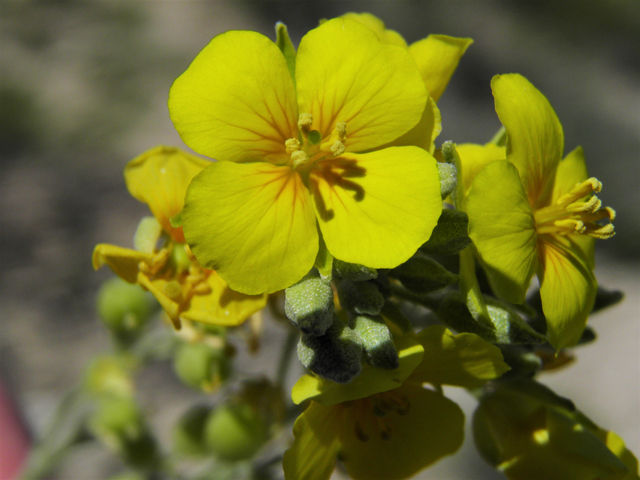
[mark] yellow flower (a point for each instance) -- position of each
(289, 173)
(385, 424)
(437, 57)
(185, 290)
(535, 212)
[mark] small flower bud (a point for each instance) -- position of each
(235, 431)
(201, 366)
(353, 271)
(124, 308)
(336, 355)
(510, 328)
(110, 375)
(360, 297)
(423, 275)
(448, 178)
(309, 304)
(379, 350)
(449, 237)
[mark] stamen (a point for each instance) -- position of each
(173, 290)
(581, 190)
(292, 145)
(299, 157)
(337, 148)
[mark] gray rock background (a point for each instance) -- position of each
(84, 88)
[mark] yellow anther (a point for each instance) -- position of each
(581, 190)
(341, 130)
(292, 145)
(304, 122)
(600, 231)
(541, 436)
(570, 225)
(337, 148)
(591, 205)
(299, 157)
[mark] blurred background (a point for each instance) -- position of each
(84, 88)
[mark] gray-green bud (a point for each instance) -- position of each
(449, 237)
(423, 275)
(188, 433)
(510, 328)
(379, 350)
(336, 355)
(360, 297)
(353, 271)
(309, 304)
(448, 174)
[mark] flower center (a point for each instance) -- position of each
(314, 147)
(374, 415)
(577, 211)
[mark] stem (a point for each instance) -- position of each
(285, 359)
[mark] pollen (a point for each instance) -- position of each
(305, 120)
(292, 145)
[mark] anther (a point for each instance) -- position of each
(337, 148)
(173, 290)
(304, 122)
(292, 145)
(299, 157)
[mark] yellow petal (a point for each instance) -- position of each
(252, 223)
(464, 360)
(437, 57)
(567, 287)
(502, 228)
(376, 209)
(535, 139)
(371, 380)
(160, 177)
(345, 74)
(432, 428)
(236, 101)
(390, 37)
(123, 261)
(223, 306)
(312, 455)
(473, 158)
(571, 171)
(423, 135)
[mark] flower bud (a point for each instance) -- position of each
(448, 174)
(510, 328)
(201, 366)
(360, 297)
(449, 237)
(235, 431)
(147, 235)
(124, 308)
(353, 271)
(379, 350)
(336, 355)
(423, 275)
(309, 304)
(109, 375)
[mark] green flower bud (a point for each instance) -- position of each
(448, 174)
(235, 432)
(423, 275)
(309, 304)
(510, 328)
(360, 297)
(449, 237)
(353, 271)
(336, 355)
(379, 350)
(201, 366)
(124, 308)
(188, 433)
